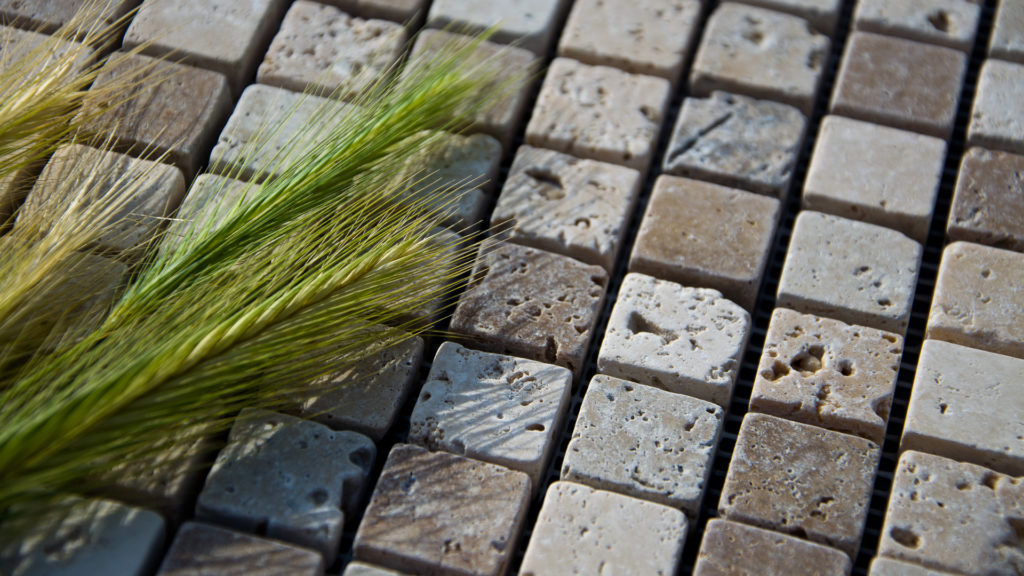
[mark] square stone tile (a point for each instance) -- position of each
(738, 142)
(881, 175)
(851, 271)
(731, 548)
(491, 407)
(322, 50)
(532, 304)
(760, 53)
(644, 442)
(178, 116)
(965, 405)
(437, 513)
(978, 300)
(1007, 41)
(827, 373)
(700, 234)
(503, 118)
(881, 566)
(684, 340)
(556, 202)
(822, 14)
(204, 549)
(988, 207)
(409, 12)
(800, 480)
(599, 113)
(227, 36)
(931, 495)
(256, 484)
(652, 37)
(584, 531)
(364, 569)
(532, 24)
(997, 121)
(46, 16)
(208, 202)
(950, 23)
(899, 83)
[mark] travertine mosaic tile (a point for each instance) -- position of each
(822, 14)
(1007, 41)
(997, 121)
(988, 207)
(364, 569)
(200, 549)
(46, 16)
(531, 24)
(404, 11)
(881, 566)
(733, 548)
(209, 200)
(950, 23)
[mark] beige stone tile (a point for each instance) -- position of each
(881, 566)
(47, 16)
(404, 11)
(532, 24)
(997, 120)
(730, 548)
(1007, 41)
(951, 23)
(822, 14)
(988, 207)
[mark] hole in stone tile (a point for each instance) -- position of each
(881, 407)
(963, 485)
(904, 537)
(551, 183)
(318, 496)
(535, 427)
(939, 20)
(943, 407)
(550, 349)
(361, 458)
(989, 480)
(582, 223)
(426, 396)
(809, 361)
(985, 273)
(777, 371)
(846, 367)
(884, 302)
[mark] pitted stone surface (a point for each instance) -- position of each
(94, 537)
(1007, 41)
(179, 115)
(324, 50)
(404, 11)
(760, 53)
(946, 22)
(978, 299)
(881, 566)
(954, 516)
(852, 271)
(599, 113)
(881, 175)
(223, 35)
(491, 407)
(800, 479)
(156, 190)
(528, 23)
(733, 549)
(966, 405)
(437, 513)
(581, 531)
(988, 207)
(532, 304)
(736, 141)
(555, 202)
(367, 398)
(827, 373)
(997, 121)
(644, 442)
(700, 234)
(202, 549)
(502, 118)
(899, 83)
(822, 14)
(651, 37)
(291, 479)
(681, 339)
(364, 569)
(48, 15)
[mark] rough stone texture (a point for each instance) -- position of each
(881, 566)
(227, 36)
(409, 12)
(323, 50)
(760, 53)
(950, 23)
(700, 234)
(978, 300)
(581, 531)
(555, 202)
(502, 118)
(852, 271)
(822, 14)
(201, 549)
(364, 569)
(877, 174)
(733, 549)
(651, 37)
(827, 373)
(738, 142)
(287, 478)
(47, 16)
(953, 516)
(800, 479)
(491, 407)
(966, 405)
(988, 207)
(599, 113)
(155, 192)
(1007, 42)
(96, 537)
(436, 513)
(367, 398)
(684, 340)
(178, 116)
(644, 442)
(532, 304)
(997, 120)
(531, 24)
(209, 201)
(899, 83)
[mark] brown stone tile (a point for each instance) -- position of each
(733, 549)
(951, 23)
(199, 549)
(988, 207)
(997, 120)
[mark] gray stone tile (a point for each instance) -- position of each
(988, 207)
(200, 549)
(997, 120)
